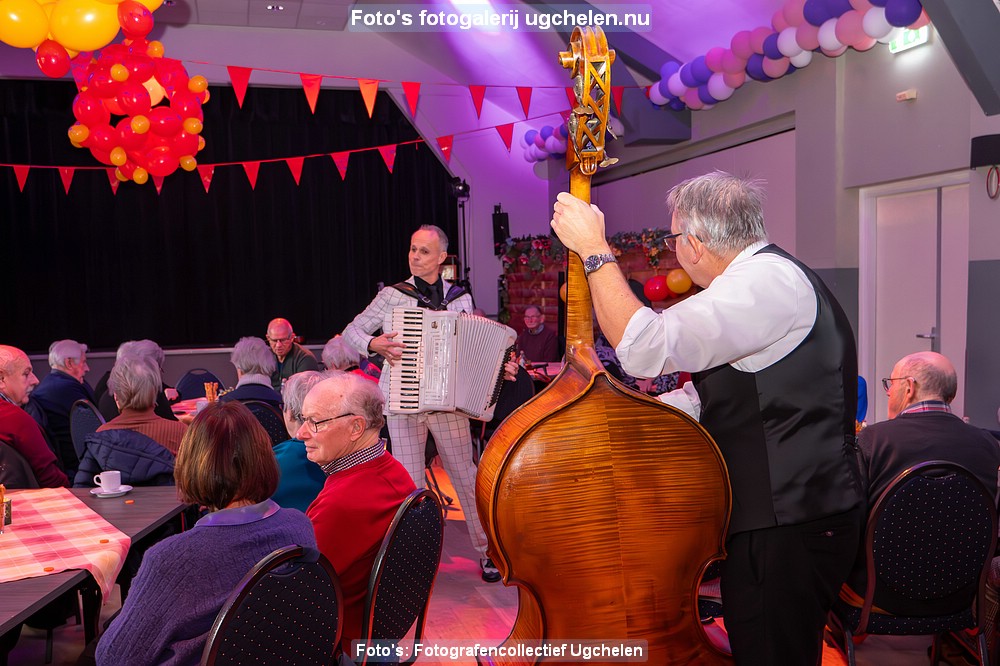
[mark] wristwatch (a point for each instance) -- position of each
(595, 261)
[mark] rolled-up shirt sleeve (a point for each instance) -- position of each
(685, 399)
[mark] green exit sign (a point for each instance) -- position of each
(909, 39)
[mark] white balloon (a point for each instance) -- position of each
(561, 146)
(802, 59)
(675, 85)
(717, 87)
(828, 35)
(654, 95)
(787, 44)
(552, 144)
(528, 155)
(874, 23)
(893, 34)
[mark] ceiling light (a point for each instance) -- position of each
(275, 8)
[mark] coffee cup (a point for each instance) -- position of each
(109, 481)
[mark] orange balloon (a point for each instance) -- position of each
(678, 281)
(140, 124)
(120, 176)
(118, 156)
(189, 163)
(140, 175)
(201, 143)
(23, 23)
(193, 126)
(197, 84)
(563, 291)
(119, 72)
(155, 50)
(151, 5)
(83, 25)
(208, 96)
(78, 133)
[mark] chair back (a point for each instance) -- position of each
(15, 471)
(399, 590)
(270, 417)
(289, 609)
(192, 384)
(84, 419)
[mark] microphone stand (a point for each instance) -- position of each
(464, 281)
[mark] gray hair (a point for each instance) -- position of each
(143, 348)
(442, 236)
(338, 355)
(293, 393)
(135, 382)
(725, 212)
(933, 382)
(360, 396)
(61, 351)
(253, 356)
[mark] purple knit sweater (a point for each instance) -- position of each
(184, 581)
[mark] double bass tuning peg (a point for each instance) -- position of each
(608, 161)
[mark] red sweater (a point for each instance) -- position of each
(350, 517)
(19, 430)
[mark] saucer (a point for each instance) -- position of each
(122, 489)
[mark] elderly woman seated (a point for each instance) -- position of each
(134, 383)
(225, 464)
(338, 355)
(254, 364)
(144, 349)
(301, 479)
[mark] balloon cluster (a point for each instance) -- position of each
(664, 287)
(539, 145)
(798, 29)
(161, 106)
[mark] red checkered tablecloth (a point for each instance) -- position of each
(53, 531)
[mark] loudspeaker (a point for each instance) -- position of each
(985, 150)
(501, 230)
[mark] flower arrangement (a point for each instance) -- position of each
(648, 241)
(531, 251)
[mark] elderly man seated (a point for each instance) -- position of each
(135, 383)
(365, 485)
(290, 357)
(254, 364)
(21, 439)
(301, 480)
(57, 392)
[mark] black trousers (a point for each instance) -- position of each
(779, 583)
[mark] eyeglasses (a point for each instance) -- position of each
(670, 240)
(275, 341)
(314, 424)
(887, 381)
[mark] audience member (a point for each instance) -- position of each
(538, 342)
(338, 355)
(300, 480)
(342, 417)
(57, 392)
(290, 357)
(146, 349)
(18, 430)
(225, 464)
(134, 383)
(254, 366)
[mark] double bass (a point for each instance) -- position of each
(601, 505)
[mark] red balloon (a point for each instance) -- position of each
(128, 139)
(102, 156)
(135, 19)
(134, 98)
(171, 75)
(140, 67)
(101, 83)
(90, 110)
(164, 121)
(184, 144)
(127, 169)
(656, 288)
(161, 162)
(187, 105)
(52, 59)
(102, 138)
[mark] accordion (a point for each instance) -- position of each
(451, 361)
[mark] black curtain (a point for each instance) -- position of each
(186, 268)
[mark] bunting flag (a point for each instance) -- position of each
(524, 94)
(565, 115)
(295, 166)
(310, 85)
(341, 159)
(240, 77)
(388, 155)
(252, 168)
(78, 66)
(158, 181)
(206, 171)
(21, 171)
(506, 133)
(445, 143)
(369, 88)
(571, 96)
(478, 94)
(66, 173)
(616, 94)
(411, 90)
(113, 179)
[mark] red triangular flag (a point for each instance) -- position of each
(411, 90)
(66, 173)
(616, 94)
(206, 171)
(571, 96)
(388, 155)
(295, 166)
(240, 76)
(506, 133)
(158, 181)
(478, 93)
(310, 84)
(21, 171)
(78, 66)
(645, 91)
(251, 168)
(444, 143)
(369, 88)
(565, 115)
(524, 94)
(340, 159)
(113, 179)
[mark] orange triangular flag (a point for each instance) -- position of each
(66, 173)
(369, 88)
(310, 84)
(295, 166)
(388, 155)
(524, 94)
(506, 133)
(251, 168)
(444, 143)
(21, 171)
(158, 181)
(411, 90)
(340, 159)
(240, 76)
(478, 93)
(206, 171)
(616, 94)
(113, 179)
(571, 96)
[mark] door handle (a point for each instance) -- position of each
(929, 336)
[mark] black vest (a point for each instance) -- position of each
(787, 432)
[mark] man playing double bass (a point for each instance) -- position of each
(774, 372)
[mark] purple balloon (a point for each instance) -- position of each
(664, 89)
(705, 96)
(529, 136)
(755, 68)
(878, 3)
(771, 47)
(901, 13)
(836, 8)
(677, 104)
(546, 132)
(687, 76)
(539, 141)
(700, 70)
(815, 12)
(668, 68)
(564, 131)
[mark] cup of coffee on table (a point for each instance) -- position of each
(109, 481)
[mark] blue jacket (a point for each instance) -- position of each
(141, 460)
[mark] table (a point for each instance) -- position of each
(185, 410)
(152, 507)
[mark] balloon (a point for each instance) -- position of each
(23, 23)
(891, 35)
(755, 68)
(801, 60)
(807, 36)
(102, 156)
(656, 288)
(140, 176)
(734, 81)
(101, 83)
(693, 99)
(775, 68)
(849, 29)
(920, 22)
(127, 137)
(564, 131)
(151, 5)
(705, 96)
(201, 143)
(717, 87)
(874, 23)
(198, 84)
(837, 8)
(83, 25)
(861, 5)
(90, 110)
(52, 59)
(656, 95)
(687, 76)
(526, 153)
(546, 132)
(140, 124)
(188, 163)
(787, 45)
(135, 19)
(700, 70)
(160, 161)
(140, 67)
(164, 121)
(676, 104)
(793, 12)
(778, 21)
(732, 64)
(771, 49)
(834, 53)
(757, 37)
(155, 50)
(713, 59)
(78, 133)
(678, 281)
(529, 136)
(562, 291)
(902, 13)
(675, 85)
(740, 44)
(118, 156)
(878, 3)
(155, 90)
(119, 72)
(828, 36)
(121, 176)
(134, 99)
(815, 12)
(102, 137)
(668, 68)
